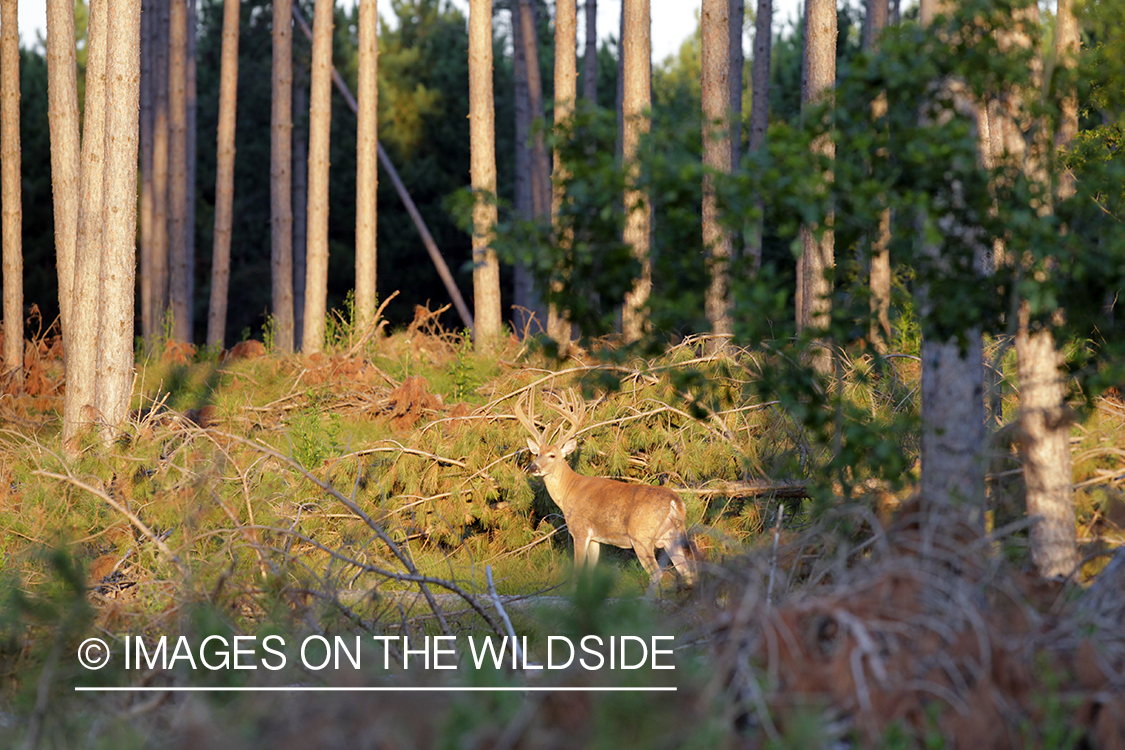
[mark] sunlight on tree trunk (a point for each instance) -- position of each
(482, 137)
(224, 176)
(281, 206)
(817, 261)
(178, 173)
(636, 43)
(117, 280)
(367, 167)
(566, 94)
(79, 406)
(160, 146)
(1067, 42)
(12, 231)
(62, 87)
(715, 27)
(879, 332)
(316, 238)
(300, 197)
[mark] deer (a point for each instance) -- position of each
(600, 511)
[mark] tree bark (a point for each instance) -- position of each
(528, 313)
(300, 198)
(62, 113)
(566, 94)
(818, 256)
(590, 57)
(737, 62)
(224, 176)
(759, 109)
(716, 41)
(320, 124)
(178, 158)
(1067, 42)
(482, 137)
(160, 158)
(880, 274)
(147, 127)
(80, 400)
(636, 99)
(10, 157)
(367, 165)
(118, 262)
(192, 139)
(281, 207)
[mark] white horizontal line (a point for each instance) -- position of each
(405, 689)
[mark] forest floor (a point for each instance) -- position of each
(379, 490)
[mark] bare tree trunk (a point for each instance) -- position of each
(80, 401)
(224, 176)
(818, 257)
(880, 279)
(759, 109)
(192, 138)
(281, 208)
(118, 263)
(737, 62)
(952, 423)
(636, 98)
(716, 40)
(320, 124)
(527, 307)
(590, 57)
(367, 166)
(178, 157)
(160, 147)
(62, 113)
(482, 136)
(147, 127)
(540, 171)
(566, 95)
(300, 195)
(12, 221)
(1067, 43)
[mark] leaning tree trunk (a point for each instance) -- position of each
(566, 93)
(62, 113)
(117, 274)
(12, 230)
(320, 123)
(224, 176)
(715, 28)
(482, 139)
(367, 166)
(79, 403)
(281, 208)
(814, 305)
(636, 99)
(178, 187)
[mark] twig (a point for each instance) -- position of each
(503, 613)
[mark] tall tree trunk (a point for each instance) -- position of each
(636, 98)
(281, 208)
(818, 256)
(737, 62)
(178, 158)
(320, 125)
(80, 400)
(1067, 42)
(540, 171)
(192, 139)
(566, 94)
(527, 313)
(716, 41)
(590, 57)
(880, 279)
(118, 263)
(300, 194)
(12, 231)
(759, 109)
(160, 158)
(147, 127)
(367, 166)
(62, 113)
(482, 137)
(224, 176)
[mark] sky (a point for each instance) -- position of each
(672, 21)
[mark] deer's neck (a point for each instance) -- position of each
(561, 485)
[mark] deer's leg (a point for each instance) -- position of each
(593, 550)
(580, 544)
(647, 556)
(677, 552)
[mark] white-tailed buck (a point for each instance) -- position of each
(605, 511)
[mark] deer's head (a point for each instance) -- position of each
(550, 455)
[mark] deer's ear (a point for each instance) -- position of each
(569, 446)
(533, 446)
